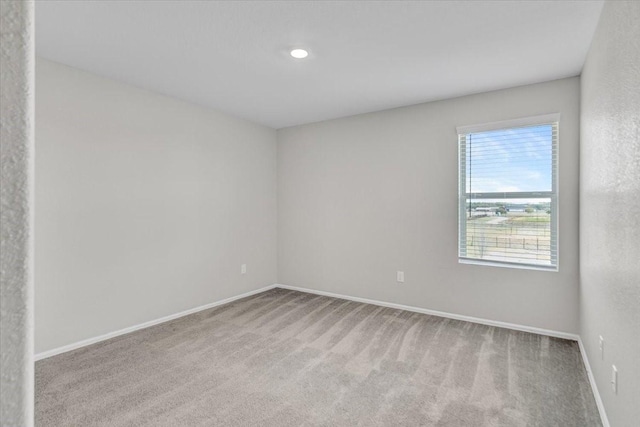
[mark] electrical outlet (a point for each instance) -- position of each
(400, 276)
(243, 269)
(601, 348)
(614, 379)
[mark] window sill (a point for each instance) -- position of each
(551, 268)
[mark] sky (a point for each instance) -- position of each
(511, 160)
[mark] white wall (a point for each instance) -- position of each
(610, 208)
(16, 212)
(145, 206)
(364, 196)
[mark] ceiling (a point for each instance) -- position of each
(364, 56)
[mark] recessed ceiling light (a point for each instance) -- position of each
(299, 53)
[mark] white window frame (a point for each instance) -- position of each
(552, 195)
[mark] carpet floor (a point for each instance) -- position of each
(287, 358)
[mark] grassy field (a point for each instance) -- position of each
(535, 219)
(516, 237)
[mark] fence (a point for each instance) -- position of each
(510, 242)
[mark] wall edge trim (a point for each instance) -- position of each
(488, 322)
(594, 386)
(129, 329)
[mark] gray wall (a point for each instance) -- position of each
(610, 208)
(362, 197)
(16, 213)
(145, 206)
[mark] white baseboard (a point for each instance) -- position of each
(539, 331)
(488, 322)
(594, 387)
(89, 341)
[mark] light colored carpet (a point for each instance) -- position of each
(286, 358)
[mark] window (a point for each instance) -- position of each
(508, 202)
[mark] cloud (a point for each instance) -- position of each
(510, 160)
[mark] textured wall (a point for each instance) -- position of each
(16, 209)
(610, 208)
(146, 206)
(364, 196)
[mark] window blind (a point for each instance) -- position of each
(508, 206)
